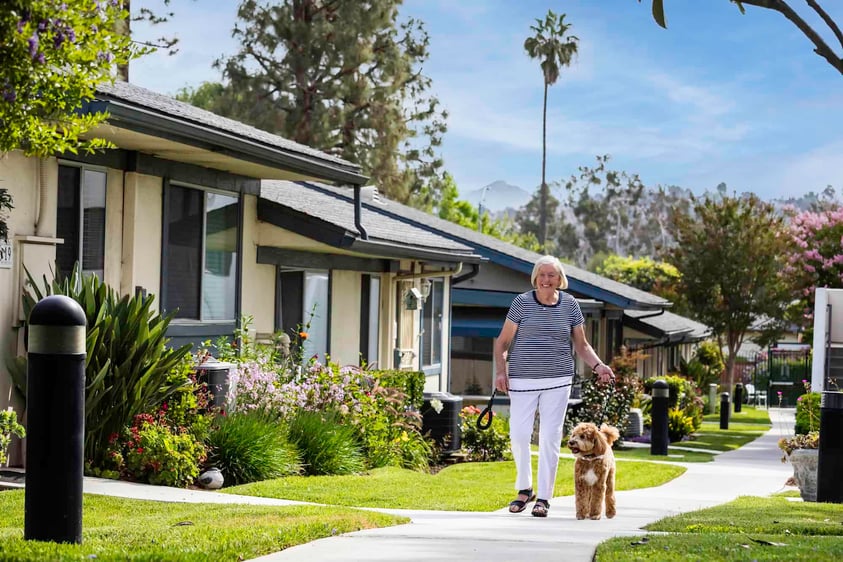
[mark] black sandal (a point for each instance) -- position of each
(517, 506)
(541, 508)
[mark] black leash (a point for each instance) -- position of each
(484, 420)
(486, 413)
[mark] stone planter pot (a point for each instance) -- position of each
(804, 463)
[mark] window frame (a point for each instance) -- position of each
(437, 345)
(80, 211)
(238, 260)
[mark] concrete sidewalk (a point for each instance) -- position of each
(754, 469)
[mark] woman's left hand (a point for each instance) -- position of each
(604, 373)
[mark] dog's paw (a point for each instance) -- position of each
(610, 515)
(594, 517)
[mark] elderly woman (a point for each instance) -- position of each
(543, 327)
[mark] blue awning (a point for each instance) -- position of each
(476, 327)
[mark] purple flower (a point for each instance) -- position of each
(9, 95)
(33, 45)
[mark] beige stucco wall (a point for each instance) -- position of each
(113, 227)
(19, 175)
(258, 279)
(142, 215)
(345, 317)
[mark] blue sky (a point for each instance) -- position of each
(717, 97)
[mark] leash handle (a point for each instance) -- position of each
(484, 420)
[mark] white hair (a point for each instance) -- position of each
(550, 260)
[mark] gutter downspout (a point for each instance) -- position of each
(659, 313)
(432, 274)
(475, 270)
(358, 211)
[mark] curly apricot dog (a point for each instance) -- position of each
(594, 469)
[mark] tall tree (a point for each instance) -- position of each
(821, 47)
(609, 217)
(558, 231)
(730, 253)
(814, 258)
(554, 49)
(343, 76)
(647, 274)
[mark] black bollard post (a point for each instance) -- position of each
(724, 410)
(830, 456)
(658, 424)
(738, 397)
(55, 406)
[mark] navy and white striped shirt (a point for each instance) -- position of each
(542, 348)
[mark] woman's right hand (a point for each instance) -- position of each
(502, 382)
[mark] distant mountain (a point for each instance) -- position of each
(499, 196)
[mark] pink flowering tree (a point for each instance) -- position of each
(815, 258)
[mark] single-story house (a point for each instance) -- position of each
(616, 314)
(179, 210)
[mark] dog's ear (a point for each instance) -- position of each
(612, 434)
(600, 443)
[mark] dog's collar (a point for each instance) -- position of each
(591, 457)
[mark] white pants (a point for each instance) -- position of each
(551, 405)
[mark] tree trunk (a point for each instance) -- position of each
(125, 28)
(543, 189)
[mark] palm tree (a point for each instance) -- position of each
(554, 49)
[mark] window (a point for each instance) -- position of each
(431, 328)
(592, 334)
(81, 220)
(614, 334)
(472, 365)
(369, 319)
(201, 254)
(304, 306)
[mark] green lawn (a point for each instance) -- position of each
(124, 529)
(470, 486)
(748, 414)
(749, 528)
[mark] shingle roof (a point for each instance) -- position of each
(669, 323)
(160, 104)
(590, 284)
(336, 208)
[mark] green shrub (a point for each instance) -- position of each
(808, 413)
(128, 364)
(9, 426)
(149, 451)
(609, 402)
(251, 447)
(326, 445)
(683, 395)
(490, 444)
(679, 425)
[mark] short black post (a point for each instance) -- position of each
(738, 397)
(658, 424)
(724, 410)
(55, 406)
(830, 459)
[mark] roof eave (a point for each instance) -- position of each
(148, 121)
(396, 250)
